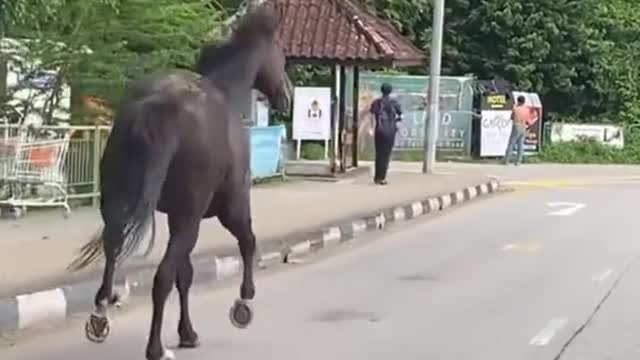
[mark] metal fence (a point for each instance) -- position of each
(81, 168)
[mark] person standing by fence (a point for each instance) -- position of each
(387, 113)
(519, 118)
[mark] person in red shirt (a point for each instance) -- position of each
(520, 117)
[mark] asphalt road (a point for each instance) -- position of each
(514, 277)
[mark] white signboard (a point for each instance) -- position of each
(606, 134)
(312, 113)
(495, 131)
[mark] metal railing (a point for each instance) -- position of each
(81, 169)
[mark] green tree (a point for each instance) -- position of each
(127, 38)
(577, 54)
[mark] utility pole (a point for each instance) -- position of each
(431, 131)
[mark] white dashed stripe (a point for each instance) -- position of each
(446, 201)
(433, 204)
(359, 226)
(494, 185)
(484, 189)
(301, 248)
(332, 236)
(398, 214)
(41, 307)
(472, 192)
(380, 221)
(544, 337)
(417, 209)
(227, 266)
(269, 258)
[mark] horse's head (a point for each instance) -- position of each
(271, 79)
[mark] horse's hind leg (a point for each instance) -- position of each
(183, 236)
(97, 327)
(239, 224)
(188, 337)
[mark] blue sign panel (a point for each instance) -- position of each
(266, 145)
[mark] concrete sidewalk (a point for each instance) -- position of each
(35, 250)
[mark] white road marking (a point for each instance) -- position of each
(569, 208)
(47, 305)
(602, 276)
(522, 247)
(545, 336)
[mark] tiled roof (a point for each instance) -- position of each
(341, 32)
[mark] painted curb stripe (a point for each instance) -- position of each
(27, 310)
(227, 266)
(417, 209)
(333, 235)
(359, 226)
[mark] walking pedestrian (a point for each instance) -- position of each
(519, 117)
(387, 113)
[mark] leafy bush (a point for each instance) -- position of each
(312, 151)
(588, 151)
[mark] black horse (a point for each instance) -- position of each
(178, 146)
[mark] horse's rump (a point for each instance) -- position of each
(133, 170)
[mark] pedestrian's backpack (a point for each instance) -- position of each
(386, 113)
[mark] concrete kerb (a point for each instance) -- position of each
(30, 310)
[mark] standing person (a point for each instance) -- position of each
(519, 117)
(387, 113)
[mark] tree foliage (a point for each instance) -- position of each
(126, 38)
(577, 54)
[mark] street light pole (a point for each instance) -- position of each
(431, 131)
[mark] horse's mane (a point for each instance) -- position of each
(261, 23)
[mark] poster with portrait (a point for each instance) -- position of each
(312, 113)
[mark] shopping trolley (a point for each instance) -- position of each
(32, 170)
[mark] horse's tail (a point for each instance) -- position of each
(128, 210)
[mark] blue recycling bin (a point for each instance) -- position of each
(266, 150)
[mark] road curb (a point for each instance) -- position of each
(31, 310)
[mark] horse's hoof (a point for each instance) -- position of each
(97, 328)
(189, 343)
(241, 314)
(116, 301)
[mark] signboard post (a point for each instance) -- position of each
(495, 125)
(611, 135)
(312, 116)
(455, 109)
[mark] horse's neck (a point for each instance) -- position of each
(236, 77)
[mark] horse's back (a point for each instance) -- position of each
(178, 106)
